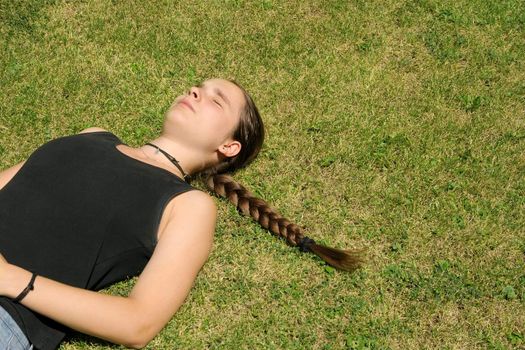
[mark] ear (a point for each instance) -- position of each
(230, 148)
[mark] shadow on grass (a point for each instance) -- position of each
(89, 340)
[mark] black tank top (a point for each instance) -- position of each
(83, 213)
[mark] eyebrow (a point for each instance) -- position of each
(219, 93)
(223, 96)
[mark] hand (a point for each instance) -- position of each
(4, 265)
(12, 278)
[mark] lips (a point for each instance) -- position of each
(186, 104)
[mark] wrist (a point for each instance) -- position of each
(14, 280)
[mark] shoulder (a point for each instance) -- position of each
(92, 129)
(194, 200)
(193, 212)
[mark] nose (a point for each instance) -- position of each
(195, 93)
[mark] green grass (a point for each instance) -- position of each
(395, 126)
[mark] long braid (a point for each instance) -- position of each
(250, 133)
(260, 211)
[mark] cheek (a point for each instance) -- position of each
(217, 121)
(210, 127)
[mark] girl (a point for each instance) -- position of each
(86, 211)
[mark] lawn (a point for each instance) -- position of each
(397, 127)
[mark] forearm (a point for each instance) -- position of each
(112, 318)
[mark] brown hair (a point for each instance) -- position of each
(250, 133)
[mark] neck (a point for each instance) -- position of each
(189, 159)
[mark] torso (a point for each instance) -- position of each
(7, 175)
(178, 200)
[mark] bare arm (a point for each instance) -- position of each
(160, 290)
(92, 129)
(7, 174)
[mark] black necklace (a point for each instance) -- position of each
(172, 159)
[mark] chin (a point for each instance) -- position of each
(174, 117)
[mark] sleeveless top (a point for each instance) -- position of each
(83, 213)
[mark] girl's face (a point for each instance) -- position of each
(207, 115)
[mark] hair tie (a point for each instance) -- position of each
(305, 243)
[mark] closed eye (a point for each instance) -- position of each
(217, 102)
